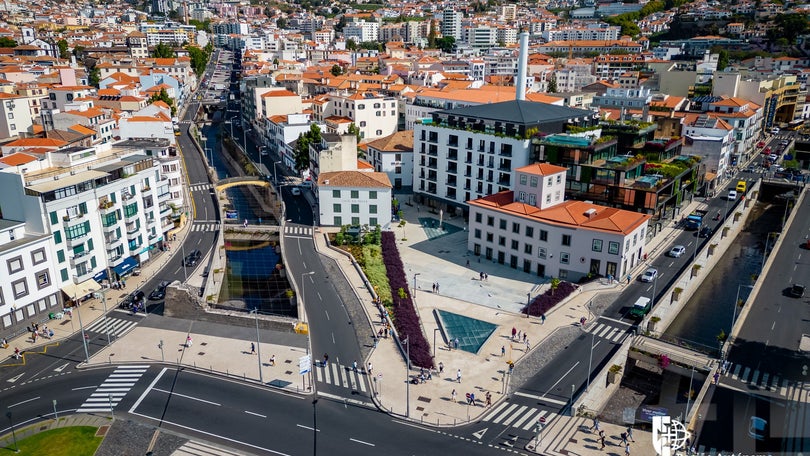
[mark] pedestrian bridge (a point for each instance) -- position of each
(646, 348)
(223, 184)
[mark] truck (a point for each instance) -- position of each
(694, 220)
(641, 307)
(219, 86)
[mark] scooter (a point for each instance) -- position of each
(717, 217)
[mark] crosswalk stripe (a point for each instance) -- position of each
(333, 372)
(525, 417)
(755, 377)
(531, 423)
(92, 410)
(736, 371)
(361, 383)
(744, 377)
(515, 415)
(615, 334)
(504, 414)
(783, 388)
(600, 331)
(108, 394)
(765, 380)
(318, 376)
(496, 411)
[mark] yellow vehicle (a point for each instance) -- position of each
(741, 186)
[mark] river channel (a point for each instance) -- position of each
(711, 308)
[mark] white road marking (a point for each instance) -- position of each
(84, 388)
(360, 441)
(307, 427)
(255, 414)
(148, 389)
(561, 378)
(23, 402)
(544, 399)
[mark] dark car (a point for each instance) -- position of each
(159, 292)
(705, 232)
(192, 258)
(132, 298)
(797, 290)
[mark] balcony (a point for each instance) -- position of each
(109, 228)
(151, 221)
(131, 217)
(164, 197)
(79, 258)
(78, 240)
(113, 241)
(113, 256)
(105, 207)
(165, 210)
(73, 220)
(166, 225)
(126, 196)
(133, 228)
(83, 276)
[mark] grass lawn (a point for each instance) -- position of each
(71, 441)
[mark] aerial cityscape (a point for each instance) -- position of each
(538, 228)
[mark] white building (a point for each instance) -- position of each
(451, 24)
(374, 114)
(712, 140)
(106, 209)
(354, 198)
(15, 116)
(393, 155)
(626, 93)
(28, 285)
(140, 126)
(282, 130)
(467, 153)
(534, 229)
(362, 31)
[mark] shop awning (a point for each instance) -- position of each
(100, 276)
(126, 266)
(80, 290)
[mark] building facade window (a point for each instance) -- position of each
(19, 288)
(502, 241)
(490, 220)
(529, 231)
(541, 252)
(355, 208)
(613, 248)
(477, 233)
(527, 249)
(596, 245)
(566, 240)
(355, 194)
(502, 224)
(336, 193)
(515, 244)
(372, 194)
(478, 217)
(38, 256)
(15, 265)
(515, 227)
(337, 208)
(489, 237)
(372, 209)
(43, 279)
(564, 257)
(544, 235)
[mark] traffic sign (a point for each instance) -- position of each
(542, 419)
(304, 364)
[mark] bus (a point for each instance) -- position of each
(795, 124)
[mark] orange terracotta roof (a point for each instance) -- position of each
(36, 142)
(363, 165)
(401, 141)
(542, 169)
(82, 129)
(278, 93)
(354, 179)
(17, 159)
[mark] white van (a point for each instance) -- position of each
(775, 130)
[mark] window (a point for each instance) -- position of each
(564, 257)
(362, 123)
(478, 217)
(373, 221)
(355, 194)
(131, 210)
(515, 245)
(541, 252)
(43, 279)
(548, 198)
(15, 265)
(523, 179)
(544, 235)
(20, 288)
(64, 274)
(596, 245)
(490, 220)
(527, 249)
(110, 219)
(566, 239)
(372, 194)
(532, 199)
(372, 209)
(338, 221)
(54, 218)
(502, 241)
(559, 178)
(335, 193)
(477, 233)
(355, 208)
(60, 256)
(627, 245)
(533, 181)
(38, 256)
(502, 224)
(77, 231)
(550, 180)
(613, 248)
(379, 132)
(355, 220)
(489, 237)
(515, 227)
(337, 208)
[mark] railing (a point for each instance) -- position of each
(77, 240)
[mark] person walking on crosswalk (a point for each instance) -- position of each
(354, 366)
(370, 369)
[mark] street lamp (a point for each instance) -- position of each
(572, 399)
(737, 304)
(275, 175)
(689, 395)
(258, 344)
(303, 289)
(81, 328)
(103, 296)
(407, 377)
(414, 284)
(590, 363)
(13, 434)
(231, 122)
(435, 330)
(765, 252)
(528, 303)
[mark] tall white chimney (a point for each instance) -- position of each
(523, 62)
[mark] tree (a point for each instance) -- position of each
(554, 284)
(446, 44)
(200, 25)
(94, 76)
(722, 58)
(164, 97)
(174, 14)
(351, 45)
(281, 23)
(313, 136)
(336, 70)
(552, 83)
(199, 58)
(354, 130)
(63, 49)
(791, 25)
(163, 51)
(7, 42)
(78, 51)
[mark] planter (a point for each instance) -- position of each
(676, 294)
(712, 248)
(651, 324)
(695, 270)
(614, 374)
(737, 216)
(725, 232)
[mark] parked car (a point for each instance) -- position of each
(677, 251)
(159, 292)
(132, 298)
(649, 275)
(797, 290)
(761, 144)
(766, 150)
(705, 232)
(757, 428)
(732, 195)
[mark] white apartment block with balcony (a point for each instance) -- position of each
(533, 228)
(746, 117)
(105, 208)
(594, 32)
(375, 115)
(480, 36)
(626, 93)
(362, 31)
(28, 286)
(467, 153)
(171, 167)
(712, 140)
(354, 198)
(282, 130)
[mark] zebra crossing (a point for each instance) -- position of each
(192, 448)
(199, 187)
(199, 227)
(790, 390)
(113, 389)
(298, 230)
(117, 326)
(518, 416)
(341, 376)
(604, 331)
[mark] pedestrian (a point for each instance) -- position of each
(468, 396)
(481, 275)
(437, 287)
(354, 366)
(252, 348)
(188, 341)
(489, 399)
(595, 425)
(527, 345)
(17, 353)
(628, 278)
(468, 262)
(511, 366)
(453, 395)
(518, 335)
(370, 368)
(472, 398)
(630, 434)
(542, 319)
(455, 342)
(272, 360)
(503, 351)
(514, 332)
(716, 378)
(458, 376)
(441, 367)
(376, 341)
(524, 337)
(602, 439)
(627, 450)
(486, 277)
(623, 436)
(434, 287)
(3, 343)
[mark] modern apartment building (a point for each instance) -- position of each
(468, 153)
(451, 24)
(533, 228)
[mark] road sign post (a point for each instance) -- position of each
(304, 367)
(539, 430)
